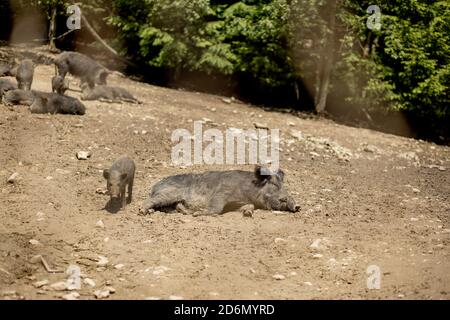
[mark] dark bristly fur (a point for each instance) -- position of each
(25, 73)
(215, 192)
(56, 103)
(81, 66)
(118, 177)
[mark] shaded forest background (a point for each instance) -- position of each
(308, 55)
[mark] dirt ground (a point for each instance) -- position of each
(367, 198)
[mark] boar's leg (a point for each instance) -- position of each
(216, 205)
(131, 100)
(181, 208)
(215, 208)
(130, 191)
(123, 197)
(158, 201)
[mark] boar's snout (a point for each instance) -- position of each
(288, 204)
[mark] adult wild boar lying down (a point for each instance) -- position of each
(216, 192)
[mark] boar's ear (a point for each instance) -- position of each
(123, 176)
(262, 174)
(280, 174)
(106, 174)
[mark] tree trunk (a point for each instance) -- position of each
(52, 30)
(326, 61)
(97, 37)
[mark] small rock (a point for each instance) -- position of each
(34, 242)
(317, 256)
(13, 178)
(172, 297)
(280, 240)
(119, 266)
(278, 277)
(414, 219)
(71, 296)
(59, 286)
(100, 224)
(152, 298)
(8, 293)
(206, 120)
(42, 283)
(320, 244)
(160, 270)
(307, 283)
(400, 295)
(89, 282)
(370, 148)
(297, 134)
(101, 294)
(415, 190)
(102, 261)
(101, 191)
(111, 289)
(83, 155)
(260, 126)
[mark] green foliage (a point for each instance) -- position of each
(409, 66)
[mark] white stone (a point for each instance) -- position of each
(89, 282)
(39, 284)
(71, 296)
(102, 261)
(59, 286)
(278, 276)
(101, 294)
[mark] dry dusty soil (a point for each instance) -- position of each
(367, 199)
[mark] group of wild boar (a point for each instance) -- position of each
(211, 192)
(92, 77)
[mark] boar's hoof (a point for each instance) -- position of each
(247, 210)
(143, 212)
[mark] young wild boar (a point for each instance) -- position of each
(118, 177)
(107, 93)
(59, 85)
(6, 85)
(5, 70)
(215, 192)
(18, 96)
(25, 73)
(81, 66)
(56, 103)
